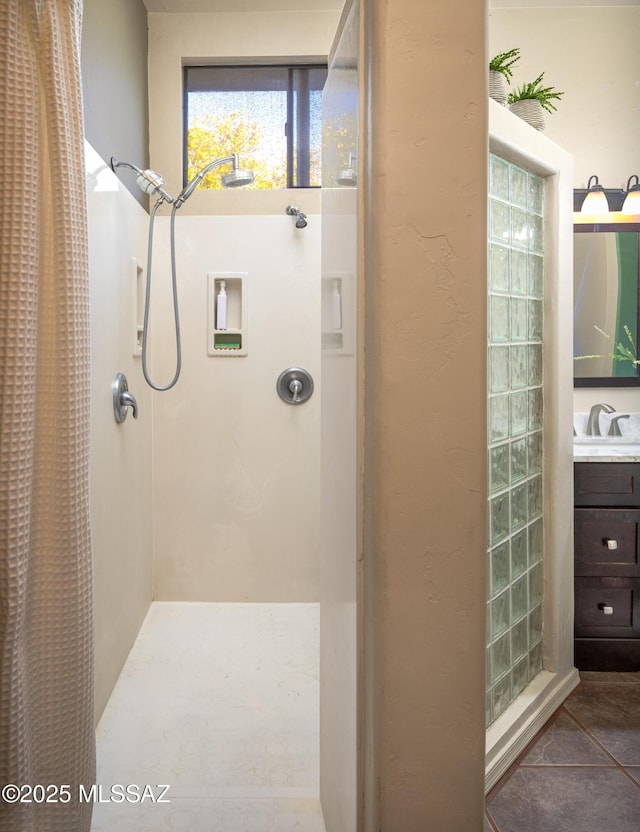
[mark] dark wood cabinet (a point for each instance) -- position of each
(606, 542)
(607, 565)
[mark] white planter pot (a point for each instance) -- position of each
(530, 111)
(497, 87)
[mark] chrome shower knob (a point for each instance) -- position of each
(294, 385)
(122, 399)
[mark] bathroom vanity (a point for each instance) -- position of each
(607, 559)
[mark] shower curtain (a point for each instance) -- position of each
(46, 665)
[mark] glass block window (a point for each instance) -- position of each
(270, 115)
(515, 413)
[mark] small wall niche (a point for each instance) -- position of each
(138, 292)
(227, 314)
(337, 311)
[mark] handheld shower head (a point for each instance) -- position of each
(148, 181)
(237, 177)
(234, 179)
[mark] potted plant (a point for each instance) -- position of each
(500, 74)
(530, 100)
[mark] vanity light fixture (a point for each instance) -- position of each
(632, 200)
(621, 206)
(595, 202)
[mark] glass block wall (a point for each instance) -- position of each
(515, 546)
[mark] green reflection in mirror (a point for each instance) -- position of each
(606, 268)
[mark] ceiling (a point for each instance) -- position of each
(188, 6)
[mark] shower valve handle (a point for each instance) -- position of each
(129, 400)
(122, 399)
(295, 386)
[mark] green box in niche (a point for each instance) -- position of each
(227, 341)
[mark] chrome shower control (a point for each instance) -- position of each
(122, 399)
(294, 385)
(296, 388)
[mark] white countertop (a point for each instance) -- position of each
(606, 452)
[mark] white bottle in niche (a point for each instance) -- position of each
(221, 306)
(336, 306)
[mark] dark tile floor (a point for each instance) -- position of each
(581, 773)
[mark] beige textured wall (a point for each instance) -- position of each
(120, 462)
(425, 426)
(591, 54)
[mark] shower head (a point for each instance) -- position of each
(148, 181)
(294, 211)
(234, 179)
(237, 178)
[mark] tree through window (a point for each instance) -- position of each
(270, 115)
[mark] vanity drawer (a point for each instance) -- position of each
(607, 608)
(607, 483)
(606, 542)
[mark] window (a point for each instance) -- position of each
(270, 115)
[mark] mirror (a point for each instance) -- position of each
(606, 269)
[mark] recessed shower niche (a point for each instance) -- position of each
(227, 314)
(137, 292)
(337, 313)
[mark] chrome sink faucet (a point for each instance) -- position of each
(593, 425)
(614, 427)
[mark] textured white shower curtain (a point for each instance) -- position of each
(46, 653)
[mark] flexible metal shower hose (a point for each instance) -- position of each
(147, 300)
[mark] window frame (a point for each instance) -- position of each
(296, 116)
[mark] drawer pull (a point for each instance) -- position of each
(611, 544)
(606, 609)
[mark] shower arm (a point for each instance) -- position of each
(114, 163)
(190, 187)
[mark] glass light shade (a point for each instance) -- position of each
(595, 202)
(632, 201)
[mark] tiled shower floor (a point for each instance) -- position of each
(220, 702)
(581, 773)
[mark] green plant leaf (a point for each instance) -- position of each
(536, 92)
(503, 61)
(621, 351)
